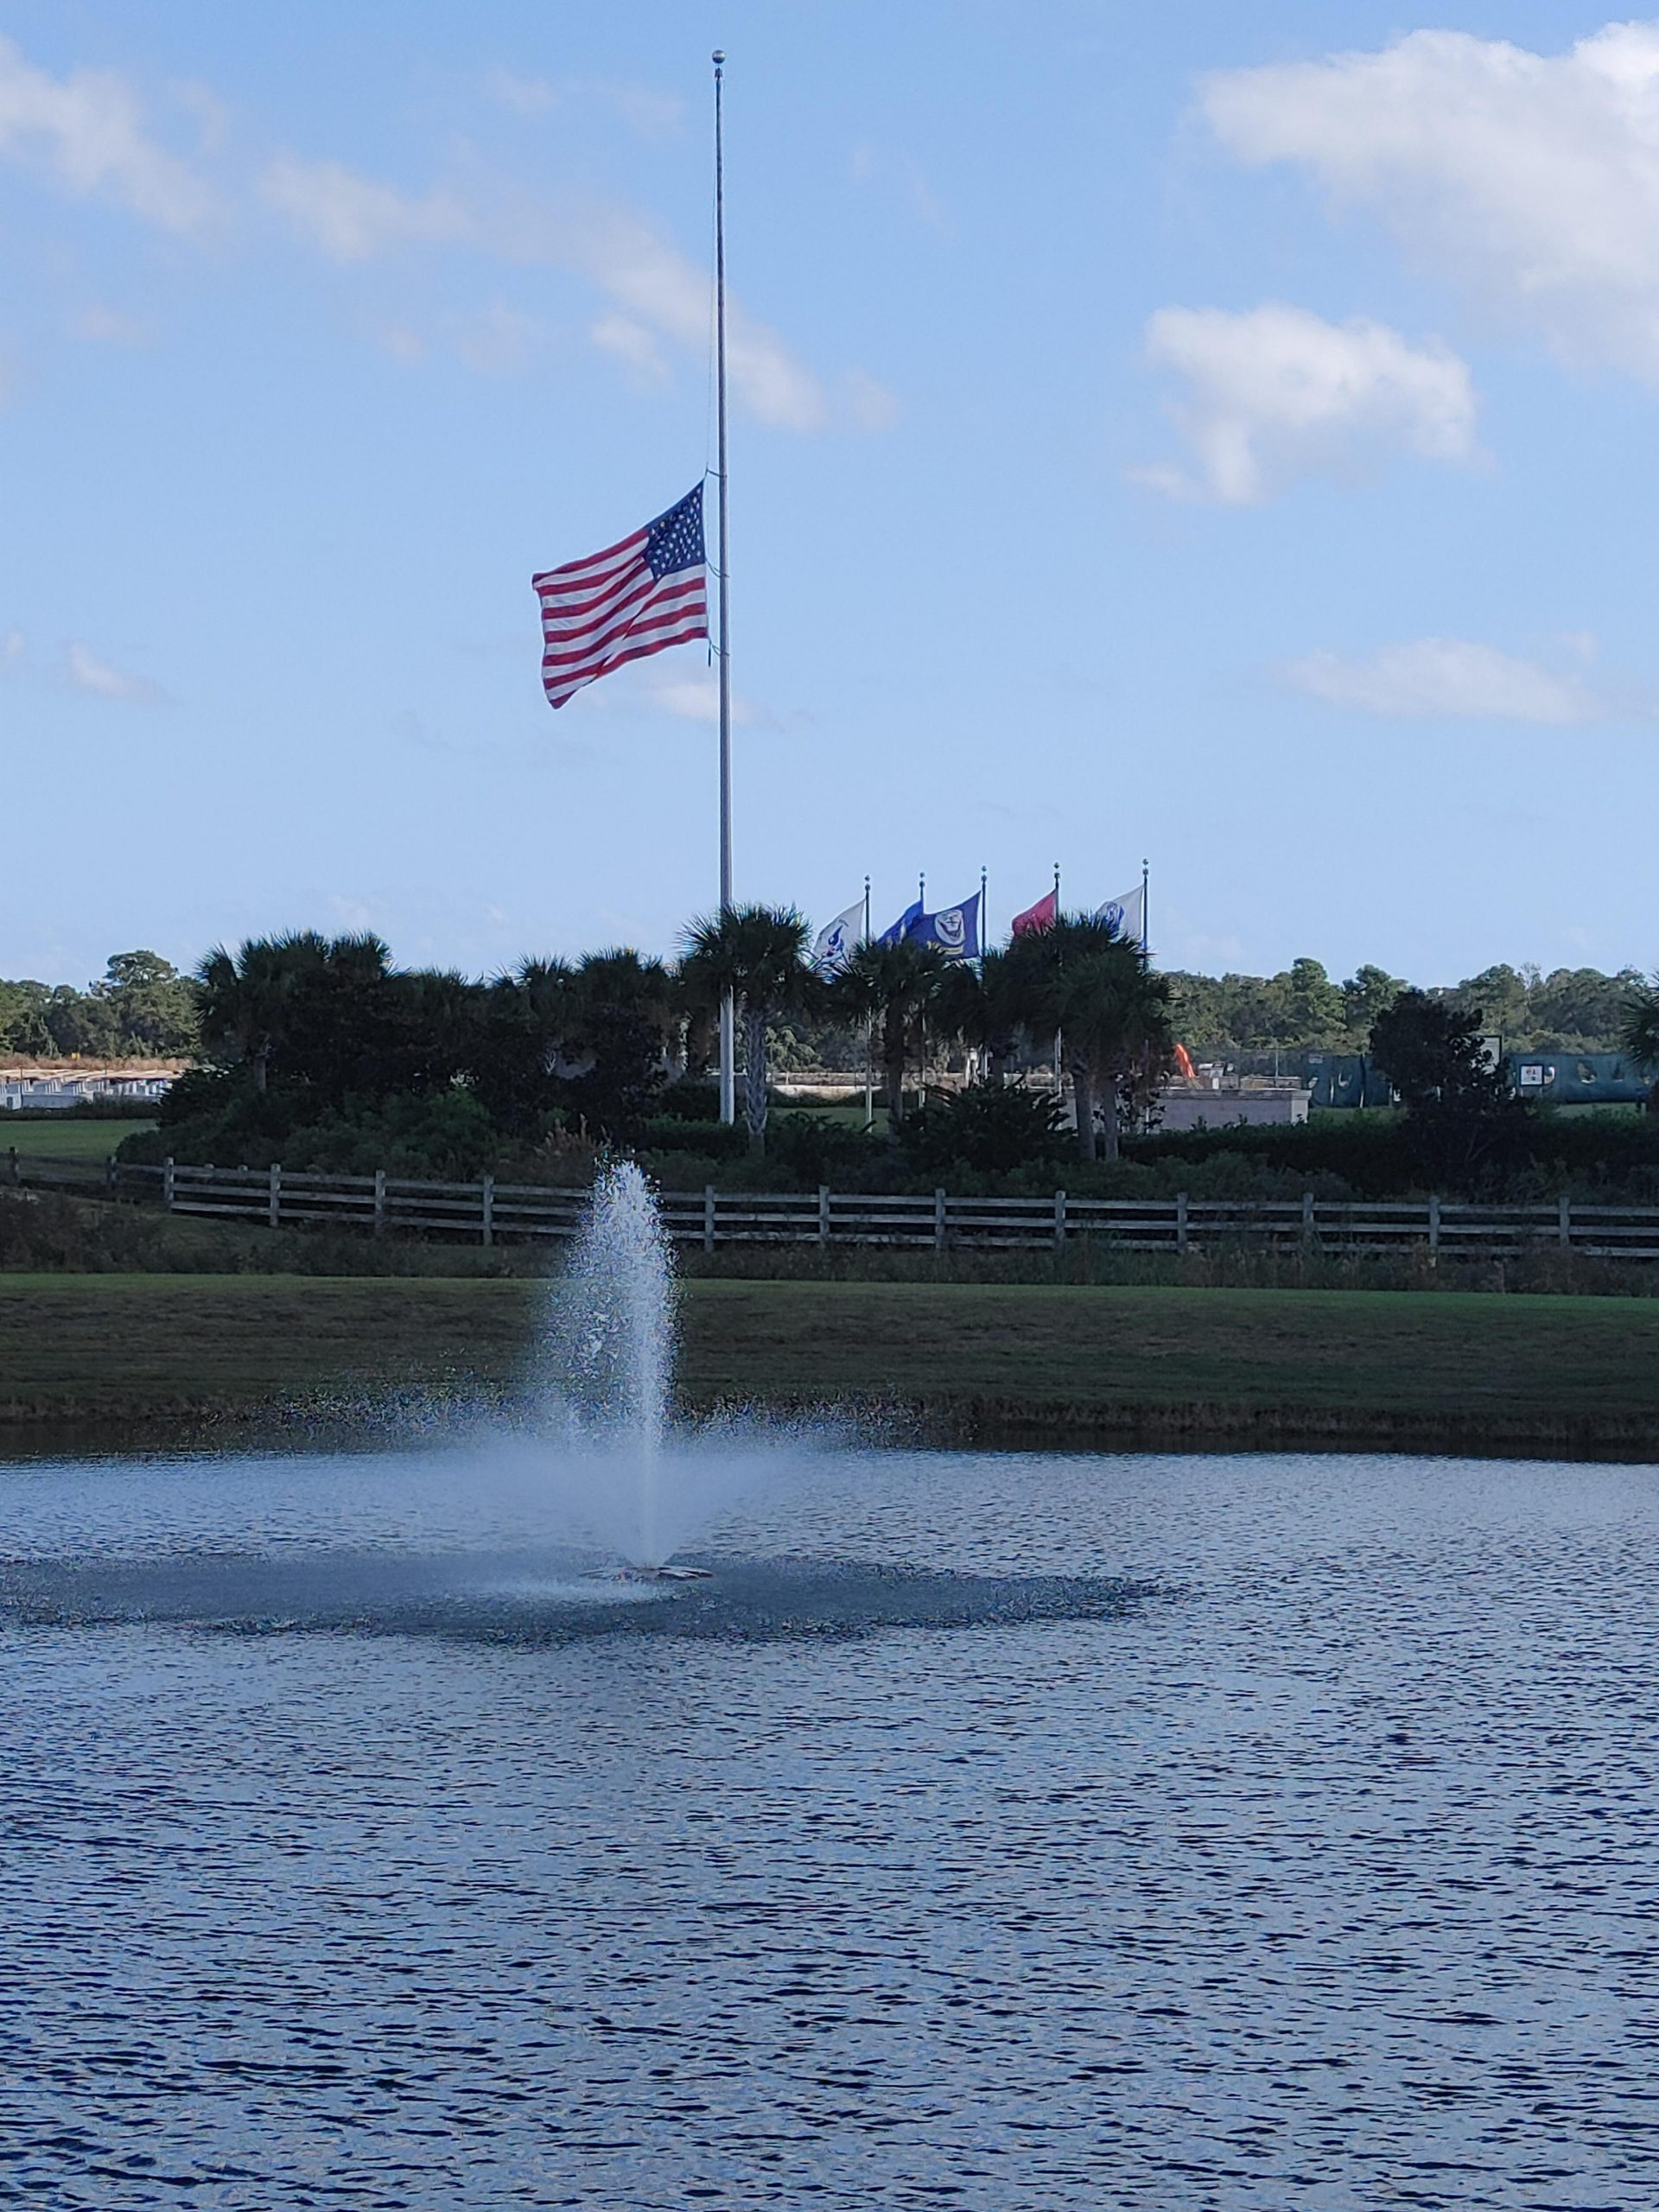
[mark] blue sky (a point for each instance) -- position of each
(1220, 434)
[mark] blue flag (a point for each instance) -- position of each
(955, 929)
(904, 926)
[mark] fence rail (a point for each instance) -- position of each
(487, 1212)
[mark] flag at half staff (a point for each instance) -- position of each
(1042, 916)
(837, 940)
(645, 593)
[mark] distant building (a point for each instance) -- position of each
(64, 1083)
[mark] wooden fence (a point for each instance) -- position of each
(489, 1211)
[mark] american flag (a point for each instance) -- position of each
(622, 604)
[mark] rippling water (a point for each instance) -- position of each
(1009, 1831)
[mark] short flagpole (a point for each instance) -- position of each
(1059, 1078)
(727, 1009)
(1145, 878)
(870, 1040)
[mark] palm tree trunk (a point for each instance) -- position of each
(1109, 1115)
(1083, 1093)
(754, 1075)
(893, 1071)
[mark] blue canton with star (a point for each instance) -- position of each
(675, 540)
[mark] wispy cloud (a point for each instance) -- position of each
(78, 668)
(88, 671)
(660, 293)
(1453, 679)
(650, 114)
(1277, 393)
(104, 326)
(1530, 180)
(351, 217)
(902, 174)
(85, 134)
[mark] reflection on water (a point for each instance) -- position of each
(1317, 1870)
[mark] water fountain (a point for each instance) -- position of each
(612, 1332)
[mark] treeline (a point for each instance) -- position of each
(1302, 1009)
(140, 1008)
(318, 1051)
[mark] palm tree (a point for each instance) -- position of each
(757, 955)
(984, 1008)
(625, 1020)
(1086, 981)
(895, 986)
(247, 997)
(1641, 1034)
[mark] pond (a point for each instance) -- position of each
(988, 1830)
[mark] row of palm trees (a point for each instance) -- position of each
(1079, 985)
(333, 1014)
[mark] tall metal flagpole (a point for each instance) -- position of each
(1144, 877)
(727, 1009)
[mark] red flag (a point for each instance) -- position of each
(628, 601)
(1042, 916)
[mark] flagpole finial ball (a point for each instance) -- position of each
(718, 58)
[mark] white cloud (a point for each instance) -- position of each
(657, 285)
(905, 174)
(86, 672)
(1531, 179)
(1276, 393)
(519, 95)
(869, 404)
(659, 291)
(500, 341)
(354, 217)
(648, 113)
(1449, 679)
(631, 342)
(102, 326)
(85, 132)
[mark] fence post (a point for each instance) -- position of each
(824, 1213)
(1059, 1221)
(1564, 1219)
(1308, 1237)
(379, 1201)
(1180, 1222)
(708, 1216)
(1435, 1224)
(274, 1208)
(488, 1221)
(938, 1221)
(167, 1183)
(12, 1157)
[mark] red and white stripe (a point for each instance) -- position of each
(600, 613)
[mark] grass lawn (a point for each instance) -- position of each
(1421, 1368)
(66, 1136)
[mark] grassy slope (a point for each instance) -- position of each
(1419, 1367)
(64, 1136)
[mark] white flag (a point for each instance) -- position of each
(836, 939)
(1128, 912)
